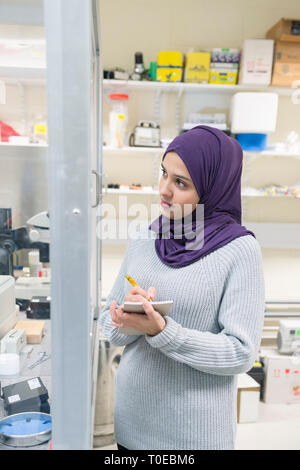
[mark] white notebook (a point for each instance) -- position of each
(163, 307)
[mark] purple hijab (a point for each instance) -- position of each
(214, 161)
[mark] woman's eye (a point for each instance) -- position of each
(180, 183)
(163, 171)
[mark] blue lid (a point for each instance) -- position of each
(26, 424)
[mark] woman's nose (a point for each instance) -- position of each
(165, 188)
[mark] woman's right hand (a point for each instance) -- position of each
(137, 294)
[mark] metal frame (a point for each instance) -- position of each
(69, 26)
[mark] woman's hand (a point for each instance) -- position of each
(137, 294)
(151, 323)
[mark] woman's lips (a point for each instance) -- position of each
(165, 204)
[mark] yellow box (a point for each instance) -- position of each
(197, 67)
(222, 77)
(169, 66)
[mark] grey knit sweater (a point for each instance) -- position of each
(177, 390)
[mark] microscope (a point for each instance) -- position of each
(36, 235)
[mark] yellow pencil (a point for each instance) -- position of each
(133, 283)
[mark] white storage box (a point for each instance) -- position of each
(282, 377)
(7, 297)
(9, 322)
(256, 62)
(247, 399)
(253, 112)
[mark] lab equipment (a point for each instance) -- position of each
(216, 120)
(253, 115)
(37, 235)
(9, 311)
(9, 364)
(35, 265)
(13, 341)
(28, 395)
(288, 338)
(25, 429)
(39, 308)
(39, 227)
(146, 134)
(139, 68)
(118, 119)
(44, 357)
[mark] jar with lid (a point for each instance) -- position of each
(118, 120)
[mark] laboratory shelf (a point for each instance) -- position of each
(7, 144)
(147, 150)
(26, 75)
(271, 153)
(196, 87)
(140, 192)
(249, 194)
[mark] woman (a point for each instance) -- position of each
(176, 384)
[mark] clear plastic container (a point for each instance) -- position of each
(118, 120)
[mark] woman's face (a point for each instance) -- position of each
(177, 191)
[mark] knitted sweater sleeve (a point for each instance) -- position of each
(233, 350)
(117, 293)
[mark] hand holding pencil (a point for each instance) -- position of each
(137, 290)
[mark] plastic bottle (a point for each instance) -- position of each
(39, 129)
(118, 120)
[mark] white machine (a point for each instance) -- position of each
(28, 287)
(39, 227)
(288, 339)
(9, 311)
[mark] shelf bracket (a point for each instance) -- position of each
(157, 106)
(178, 110)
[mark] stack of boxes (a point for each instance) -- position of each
(286, 67)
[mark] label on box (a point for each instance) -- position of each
(14, 398)
(40, 129)
(34, 383)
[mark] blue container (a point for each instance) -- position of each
(254, 142)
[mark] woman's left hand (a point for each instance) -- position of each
(151, 323)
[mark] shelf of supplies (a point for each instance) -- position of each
(271, 153)
(26, 75)
(141, 192)
(147, 150)
(196, 87)
(247, 194)
(7, 144)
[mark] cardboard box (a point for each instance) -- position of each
(256, 62)
(283, 31)
(169, 66)
(197, 67)
(282, 377)
(286, 68)
(34, 330)
(247, 399)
